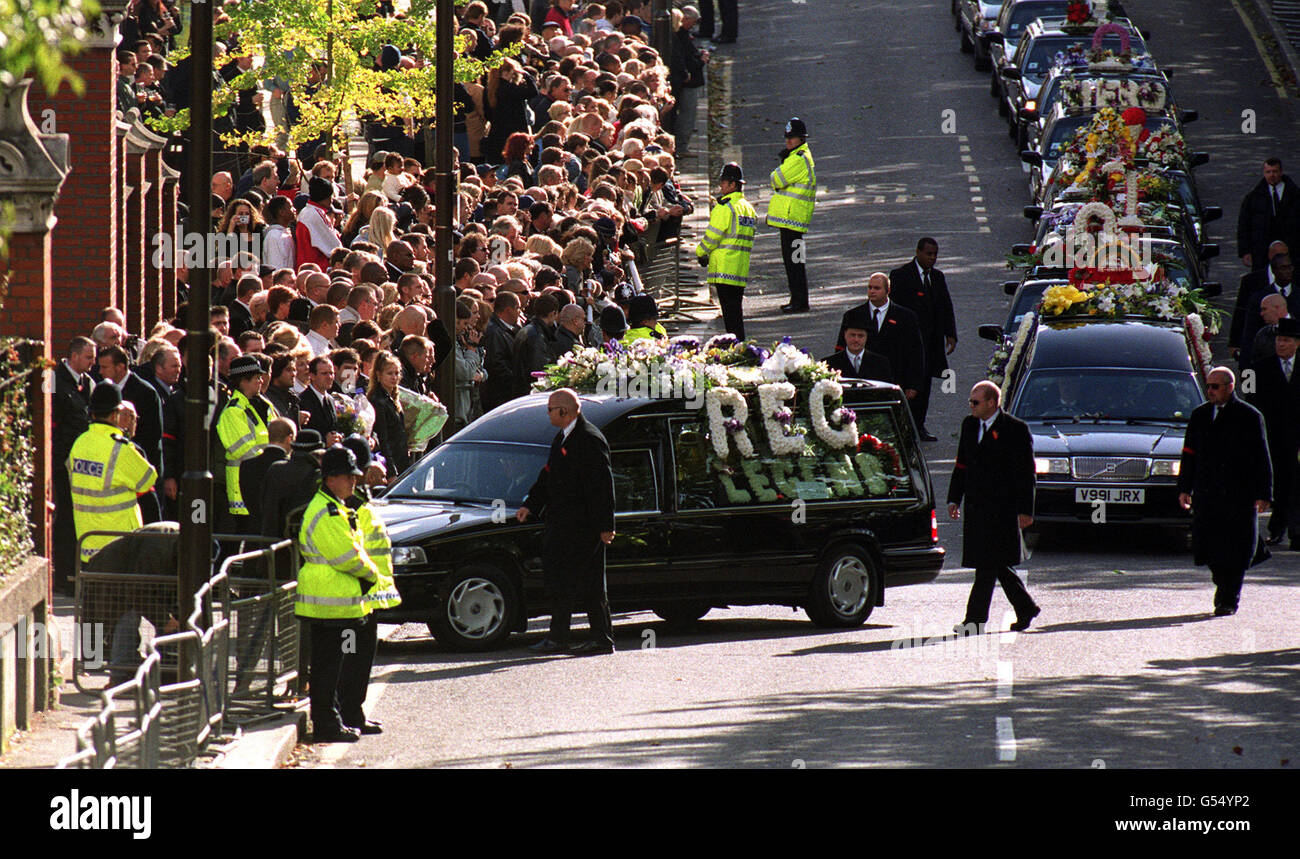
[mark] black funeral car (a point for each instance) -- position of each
(686, 541)
(1107, 402)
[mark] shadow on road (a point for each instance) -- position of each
(1199, 717)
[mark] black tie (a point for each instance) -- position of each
(877, 320)
(925, 278)
(1276, 200)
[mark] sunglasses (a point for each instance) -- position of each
(975, 402)
(1213, 385)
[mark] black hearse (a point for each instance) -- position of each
(685, 542)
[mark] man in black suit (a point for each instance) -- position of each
(921, 288)
(1251, 283)
(1226, 480)
(574, 494)
(1277, 396)
(1270, 212)
(854, 361)
(317, 401)
(71, 412)
(894, 333)
(113, 367)
(315, 290)
(994, 473)
(252, 472)
(1282, 284)
(241, 314)
(290, 485)
(398, 259)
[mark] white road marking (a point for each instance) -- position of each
(1005, 681)
(1006, 739)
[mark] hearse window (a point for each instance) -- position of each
(635, 487)
(875, 470)
(475, 473)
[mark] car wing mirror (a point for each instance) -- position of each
(1199, 158)
(1211, 213)
(1029, 156)
(1021, 249)
(989, 331)
(1209, 251)
(1032, 213)
(1212, 289)
(1010, 73)
(1187, 116)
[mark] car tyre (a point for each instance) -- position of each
(682, 614)
(982, 62)
(843, 591)
(967, 45)
(995, 91)
(477, 609)
(1002, 106)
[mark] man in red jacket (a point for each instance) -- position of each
(315, 237)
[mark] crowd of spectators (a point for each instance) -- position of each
(565, 175)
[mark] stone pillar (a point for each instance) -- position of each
(84, 259)
(134, 236)
(170, 195)
(32, 167)
(122, 246)
(153, 203)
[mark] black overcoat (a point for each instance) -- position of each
(1225, 467)
(574, 495)
(933, 309)
(996, 478)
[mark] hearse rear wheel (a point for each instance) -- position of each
(682, 614)
(843, 592)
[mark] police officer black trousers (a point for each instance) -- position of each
(793, 249)
(729, 298)
(342, 653)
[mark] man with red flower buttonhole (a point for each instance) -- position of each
(994, 474)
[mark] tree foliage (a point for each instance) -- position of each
(35, 35)
(292, 39)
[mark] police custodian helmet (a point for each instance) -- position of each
(731, 172)
(339, 460)
(796, 128)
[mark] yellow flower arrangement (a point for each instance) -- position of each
(1059, 299)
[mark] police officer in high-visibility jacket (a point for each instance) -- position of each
(727, 244)
(794, 194)
(336, 575)
(108, 473)
(384, 592)
(242, 430)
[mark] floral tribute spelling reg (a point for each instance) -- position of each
(774, 420)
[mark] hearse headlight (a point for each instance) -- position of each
(408, 556)
(1051, 465)
(1165, 467)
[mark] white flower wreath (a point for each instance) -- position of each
(770, 398)
(845, 436)
(714, 400)
(1096, 210)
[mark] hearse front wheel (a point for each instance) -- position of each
(477, 609)
(843, 592)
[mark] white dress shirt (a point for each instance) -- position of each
(319, 345)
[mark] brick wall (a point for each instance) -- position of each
(85, 253)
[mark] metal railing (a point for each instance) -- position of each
(662, 278)
(164, 716)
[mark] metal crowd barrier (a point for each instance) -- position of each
(662, 278)
(127, 731)
(157, 719)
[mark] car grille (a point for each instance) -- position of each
(1111, 467)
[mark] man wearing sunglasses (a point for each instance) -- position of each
(1226, 480)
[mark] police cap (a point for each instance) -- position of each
(105, 399)
(339, 460)
(731, 172)
(796, 128)
(245, 365)
(360, 449)
(612, 321)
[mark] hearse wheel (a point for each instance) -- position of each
(843, 592)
